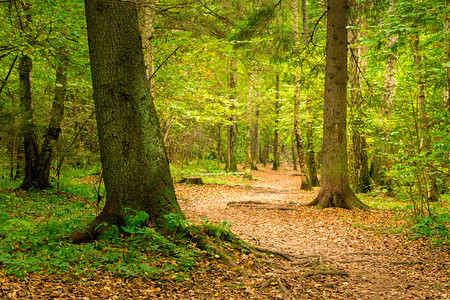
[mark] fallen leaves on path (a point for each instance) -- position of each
(328, 254)
(379, 264)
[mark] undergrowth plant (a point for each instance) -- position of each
(35, 229)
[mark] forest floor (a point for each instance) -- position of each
(316, 254)
(367, 252)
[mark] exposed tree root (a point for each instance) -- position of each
(342, 199)
(264, 205)
(329, 273)
(365, 253)
(276, 252)
(277, 281)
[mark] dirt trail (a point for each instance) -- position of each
(380, 265)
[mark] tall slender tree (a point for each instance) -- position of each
(360, 175)
(135, 166)
(297, 130)
(276, 135)
(310, 161)
(335, 189)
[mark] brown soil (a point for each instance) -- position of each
(379, 264)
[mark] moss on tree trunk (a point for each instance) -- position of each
(335, 189)
(135, 166)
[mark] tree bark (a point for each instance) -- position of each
(254, 139)
(135, 166)
(335, 190)
(28, 125)
(294, 150)
(276, 135)
(380, 164)
(46, 155)
(266, 146)
(361, 174)
(311, 172)
(430, 178)
(219, 144)
(28, 128)
(232, 127)
(305, 185)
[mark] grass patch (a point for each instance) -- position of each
(34, 231)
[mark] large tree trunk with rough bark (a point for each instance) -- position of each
(135, 166)
(335, 190)
(361, 174)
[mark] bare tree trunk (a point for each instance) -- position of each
(309, 159)
(135, 167)
(219, 144)
(335, 189)
(297, 130)
(266, 146)
(430, 178)
(46, 155)
(447, 92)
(380, 164)
(294, 150)
(276, 135)
(248, 140)
(232, 128)
(147, 16)
(361, 174)
(254, 139)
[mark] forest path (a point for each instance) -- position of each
(380, 264)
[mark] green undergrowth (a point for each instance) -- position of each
(35, 229)
(433, 223)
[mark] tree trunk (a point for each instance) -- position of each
(29, 131)
(28, 126)
(135, 166)
(430, 177)
(147, 16)
(447, 92)
(266, 146)
(219, 144)
(297, 130)
(47, 152)
(335, 190)
(248, 137)
(294, 150)
(309, 159)
(232, 127)
(361, 174)
(276, 136)
(254, 139)
(380, 164)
